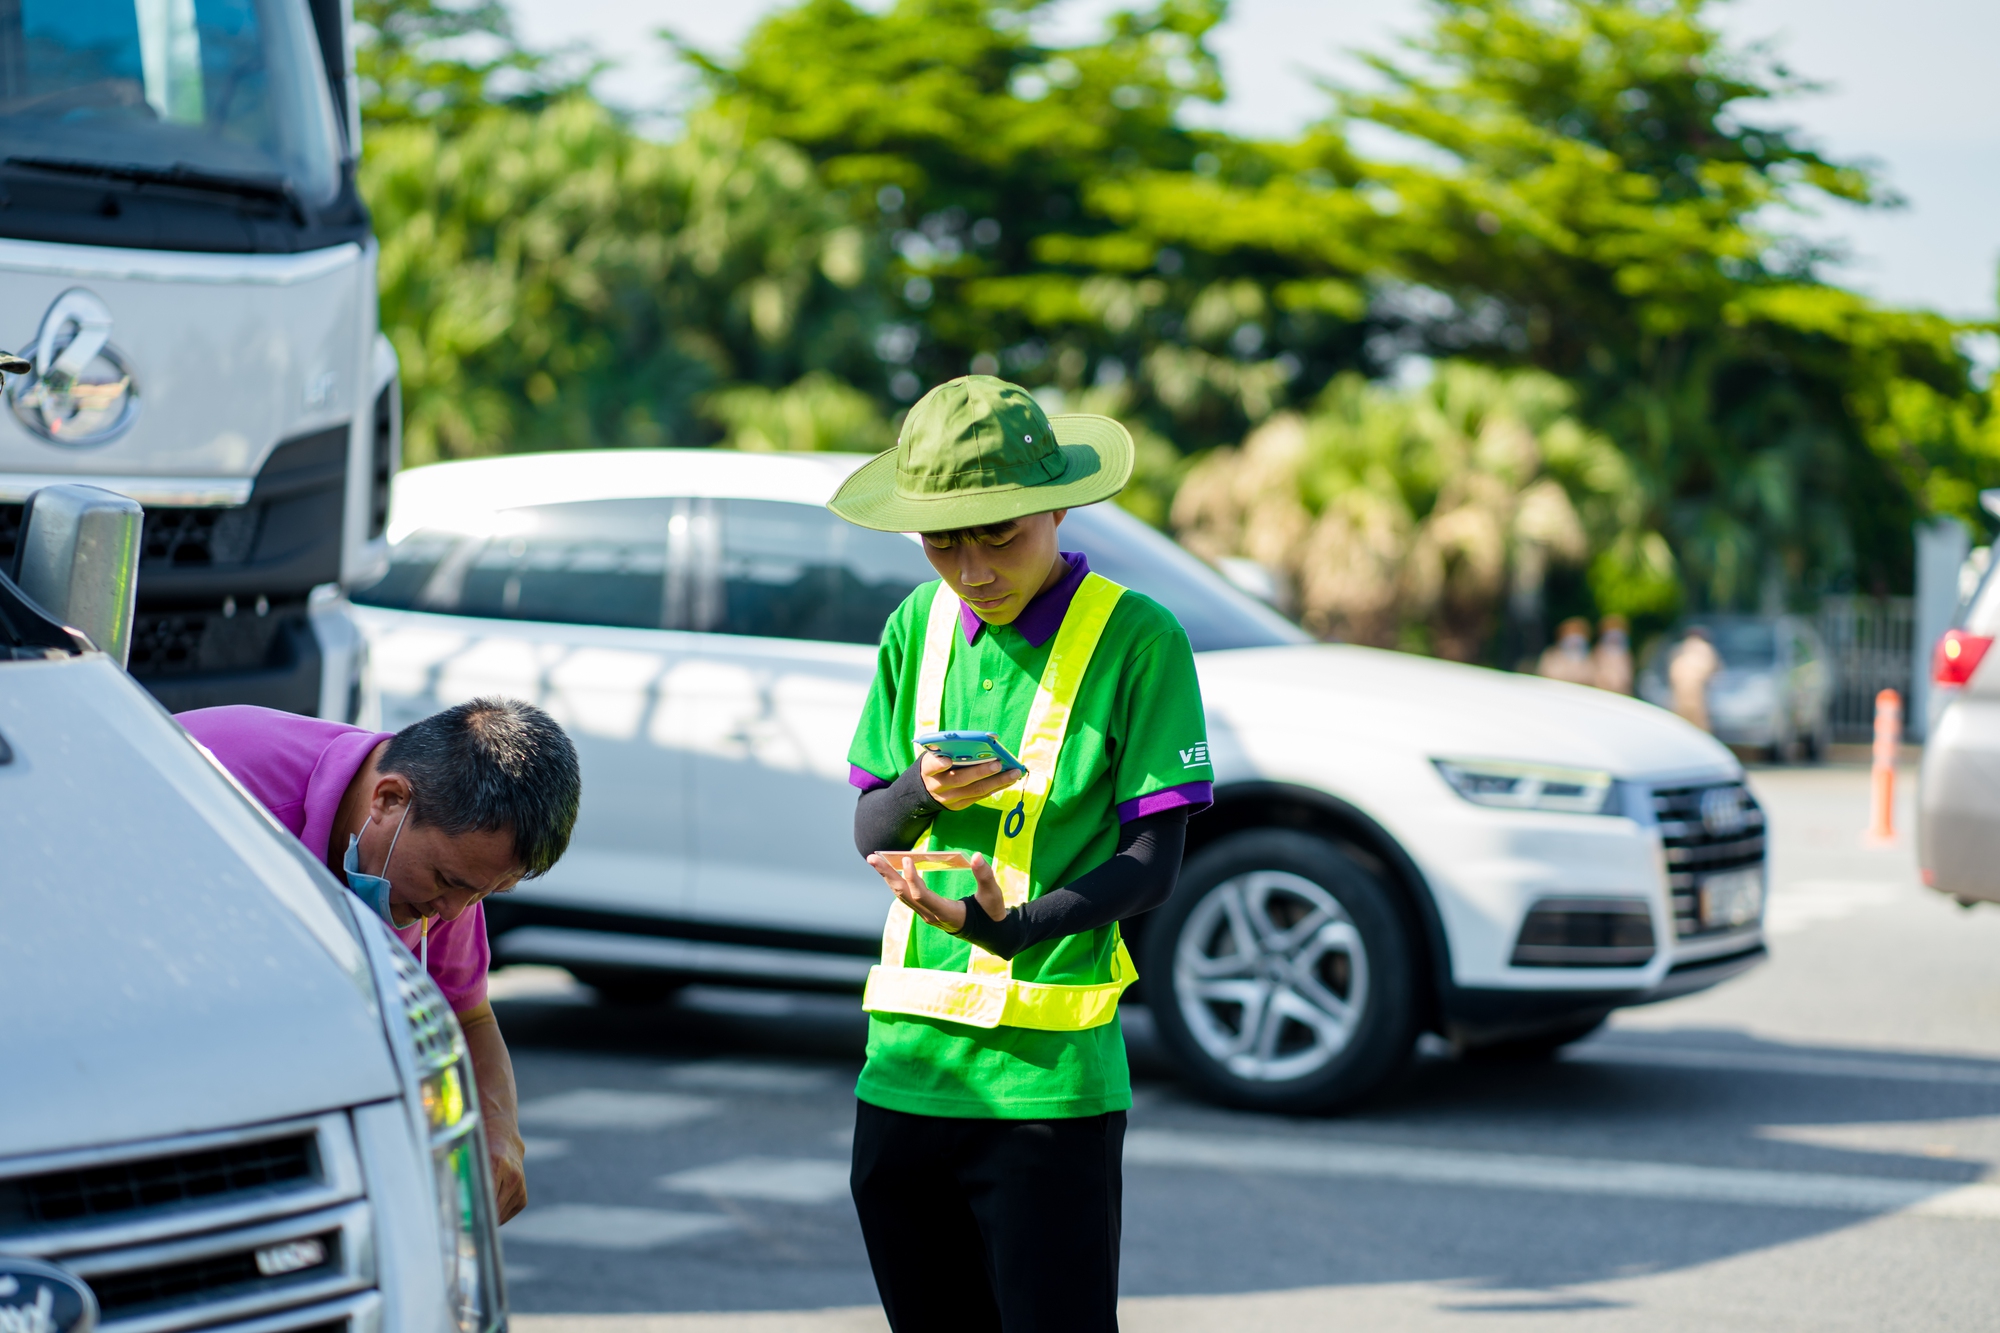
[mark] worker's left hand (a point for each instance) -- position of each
(900, 873)
(510, 1178)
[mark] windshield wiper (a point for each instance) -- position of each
(271, 189)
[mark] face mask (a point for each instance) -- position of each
(371, 889)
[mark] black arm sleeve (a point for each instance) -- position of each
(892, 818)
(1138, 877)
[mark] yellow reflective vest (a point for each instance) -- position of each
(986, 994)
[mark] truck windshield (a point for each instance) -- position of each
(225, 88)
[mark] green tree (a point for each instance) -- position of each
(552, 280)
(1606, 213)
(1000, 177)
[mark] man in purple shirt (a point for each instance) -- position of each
(422, 824)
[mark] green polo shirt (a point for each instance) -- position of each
(1137, 744)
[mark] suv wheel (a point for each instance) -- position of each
(1280, 974)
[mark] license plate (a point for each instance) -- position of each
(1732, 898)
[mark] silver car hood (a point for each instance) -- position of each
(170, 960)
(1352, 698)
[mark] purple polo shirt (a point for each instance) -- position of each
(298, 768)
(1037, 623)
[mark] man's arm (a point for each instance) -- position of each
(493, 1070)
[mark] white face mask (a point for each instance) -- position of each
(372, 889)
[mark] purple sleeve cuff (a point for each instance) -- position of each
(862, 778)
(1196, 796)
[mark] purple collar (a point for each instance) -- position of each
(1042, 617)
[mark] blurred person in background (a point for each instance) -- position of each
(1692, 666)
(1568, 658)
(1611, 660)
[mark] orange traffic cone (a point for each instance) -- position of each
(1888, 732)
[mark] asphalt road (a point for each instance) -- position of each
(1813, 1146)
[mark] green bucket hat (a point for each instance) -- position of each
(977, 451)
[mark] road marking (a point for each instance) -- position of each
(615, 1108)
(536, 1149)
(1781, 1062)
(784, 1179)
(1566, 1175)
(598, 1227)
(747, 1076)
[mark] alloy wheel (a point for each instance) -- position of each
(1271, 976)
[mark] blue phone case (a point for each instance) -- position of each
(970, 747)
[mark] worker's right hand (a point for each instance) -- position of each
(956, 788)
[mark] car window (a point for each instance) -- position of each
(797, 571)
(1214, 614)
(591, 562)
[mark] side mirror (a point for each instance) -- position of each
(79, 561)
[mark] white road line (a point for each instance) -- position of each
(599, 1227)
(1565, 1175)
(535, 1149)
(615, 1108)
(1779, 1062)
(783, 1179)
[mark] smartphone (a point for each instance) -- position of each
(970, 747)
(929, 860)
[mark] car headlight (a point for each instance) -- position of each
(1520, 786)
(449, 1100)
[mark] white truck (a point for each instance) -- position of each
(234, 1101)
(188, 268)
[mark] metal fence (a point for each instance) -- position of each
(1868, 640)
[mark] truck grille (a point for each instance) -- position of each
(263, 1230)
(160, 1182)
(1704, 831)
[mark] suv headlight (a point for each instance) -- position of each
(450, 1116)
(1520, 786)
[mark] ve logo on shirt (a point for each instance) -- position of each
(1195, 758)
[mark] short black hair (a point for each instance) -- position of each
(492, 765)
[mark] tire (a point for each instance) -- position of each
(1532, 1048)
(1346, 986)
(630, 988)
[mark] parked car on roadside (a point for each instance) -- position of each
(1958, 828)
(1398, 845)
(1774, 692)
(232, 1101)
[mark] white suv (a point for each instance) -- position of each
(1397, 844)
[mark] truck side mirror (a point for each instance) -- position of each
(79, 561)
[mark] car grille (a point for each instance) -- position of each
(263, 1230)
(1703, 831)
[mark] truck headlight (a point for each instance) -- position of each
(1521, 786)
(449, 1101)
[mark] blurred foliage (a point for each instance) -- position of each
(1592, 204)
(552, 280)
(816, 412)
(1409, 518)
(1605, 209)
(1021, 194)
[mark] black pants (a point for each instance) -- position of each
(991, 1226)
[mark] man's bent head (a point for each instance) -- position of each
(473, 800)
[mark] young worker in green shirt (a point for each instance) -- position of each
(989, 1137)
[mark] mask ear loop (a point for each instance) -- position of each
(423, 922)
